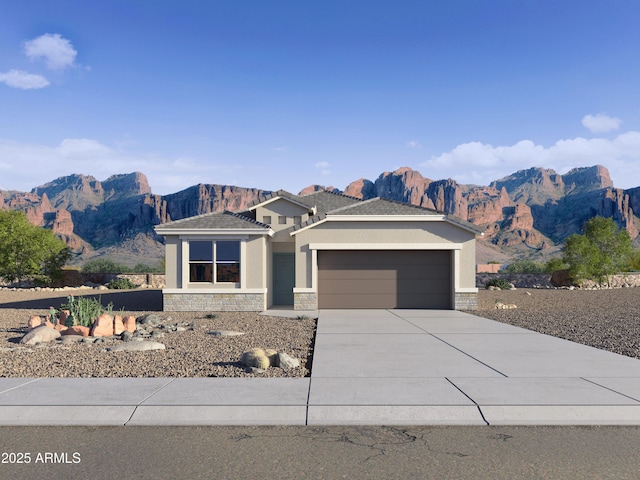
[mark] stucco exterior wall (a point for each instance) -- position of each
(418, 234)
(256, 265)
(278, 208)
(173, 262)
(249, 295)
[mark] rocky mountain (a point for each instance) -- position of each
(116, 217)
(528, 213)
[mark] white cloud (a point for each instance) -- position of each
(280, 149)
(601, 123)
(57, 52)
(82, 148)
(413, 144)
(25, 166)
(23, 80)
(324, 167)
(481, 163)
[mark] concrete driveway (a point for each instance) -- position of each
(370, 367)
(449, 367)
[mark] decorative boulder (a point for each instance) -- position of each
(118, 325)
(130, 323)
(150, 319)
(40, 334)
(102, 326)
(34, 321)
(77, 330)
(60, 327)
(287, 361)
(62, 316)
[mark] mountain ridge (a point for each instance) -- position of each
(526, 214)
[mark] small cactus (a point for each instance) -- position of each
(70, 321)
(255, 357)
(272, 355)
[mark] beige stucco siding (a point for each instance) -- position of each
(172, 262)
(256, 264)
(426, 234)
(281, 208)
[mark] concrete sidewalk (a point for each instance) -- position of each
(370, 367)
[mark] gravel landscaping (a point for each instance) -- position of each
(194, 352)
(605, 319)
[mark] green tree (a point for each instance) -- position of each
(601, 251)
(555, 263)
(104, 265)
(28, 252)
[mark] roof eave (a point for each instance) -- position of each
(276, 198)
(214, 231)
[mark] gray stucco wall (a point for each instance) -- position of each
(390, 233)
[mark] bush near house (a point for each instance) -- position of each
(501, 283)
(604, 249)
(28, 252)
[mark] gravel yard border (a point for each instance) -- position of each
(604, 319)
(195, 352)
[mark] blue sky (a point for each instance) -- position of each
(287, 93)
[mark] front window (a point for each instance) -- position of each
(214, 261)
(227, 262)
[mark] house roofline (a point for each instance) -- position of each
(311, 223)
(215, 231)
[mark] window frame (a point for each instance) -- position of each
(214, 263)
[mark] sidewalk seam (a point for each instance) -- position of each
(452, 346)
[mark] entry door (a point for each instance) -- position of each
(284, 278)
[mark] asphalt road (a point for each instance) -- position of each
(320, 453)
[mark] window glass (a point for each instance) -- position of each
(282, 220)
(266, 219)
(227, 262)
(227, 251)
(201, 272)
(200, 252)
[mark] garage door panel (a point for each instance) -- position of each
(362, 301)
(365, 286)
(384, 279)
(357, 274)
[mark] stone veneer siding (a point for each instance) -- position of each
(217, 302)
(466, 301)
(305, 301)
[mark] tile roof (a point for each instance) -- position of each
(221, 220)
(383, 206)
(326, 201)
(323, 201)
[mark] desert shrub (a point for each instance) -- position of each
(524, 266)
(84, 310)
(604, 249)
(104, 265)
(555, 264)
(634, 261)
(501, 283)
(121, 284)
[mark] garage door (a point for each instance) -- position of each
(384, 279)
